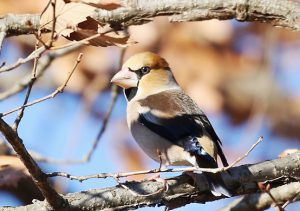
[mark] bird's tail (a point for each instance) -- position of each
(217, 185)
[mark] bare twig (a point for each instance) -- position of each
(43, 64)
(38, 52)
(273, 198)
(117, 179)
(291, 200)
(87, 157)
(39, 177)
(266, 189)
(2, 36)
(35, 54)
(158, 170)
(84, 41)
(114, 95)
(53, 4)
(38, 37)
(59, 90)
(33, 79)
(260, 139)
(22, 108)
(46, 7)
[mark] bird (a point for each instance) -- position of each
(165, 122)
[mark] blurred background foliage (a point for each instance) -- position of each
(245, 76)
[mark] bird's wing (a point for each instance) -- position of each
(174, 115)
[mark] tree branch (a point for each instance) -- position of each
(59, 90)
(282, 13)
(39, 177)
(262, 201)
(19, 24)
(43, 64)
(2, 36)
(181, 191)
(158, 170)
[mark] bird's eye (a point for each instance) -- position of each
(145, 70)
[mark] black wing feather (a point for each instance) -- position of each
(188, 125)
(172, 129)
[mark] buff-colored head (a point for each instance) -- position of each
(147, 71)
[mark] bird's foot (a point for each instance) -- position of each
(156, 177)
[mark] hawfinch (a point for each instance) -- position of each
(162, 118)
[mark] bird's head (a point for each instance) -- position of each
(147, 72)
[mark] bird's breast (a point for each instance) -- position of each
(152, 143)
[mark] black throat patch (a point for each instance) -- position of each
(130, 93)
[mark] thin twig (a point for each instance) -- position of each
(87, 157)
(53, 4)
(60, 89)
(34, 70)
(39, 177)
(117, 179)
(280, 208)
(84, 41)
(43, 64)
(42, 49)
(21, 112)
(46, 7)
(260, 139)
(290, 201)
(36, 53)
(266, 189)
(114, 95)
(126, 174)
(2, 36)
(33, 79)
(38, 37)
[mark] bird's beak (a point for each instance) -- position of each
(125, 79)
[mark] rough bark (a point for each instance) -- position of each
(243, 180)
(38, 176)
(261, 201)
(282, 13)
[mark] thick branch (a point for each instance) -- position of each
(19, 24)
(39, 177)
(283, 13)
(181, 191)
(261, 201)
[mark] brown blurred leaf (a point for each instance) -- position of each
(102, 4)
(90, 27)
(74, 22)
(11, 171)
(109, 39)
(68, 16)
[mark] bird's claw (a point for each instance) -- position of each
(156, 177)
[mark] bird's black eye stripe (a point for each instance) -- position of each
(141, 72)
